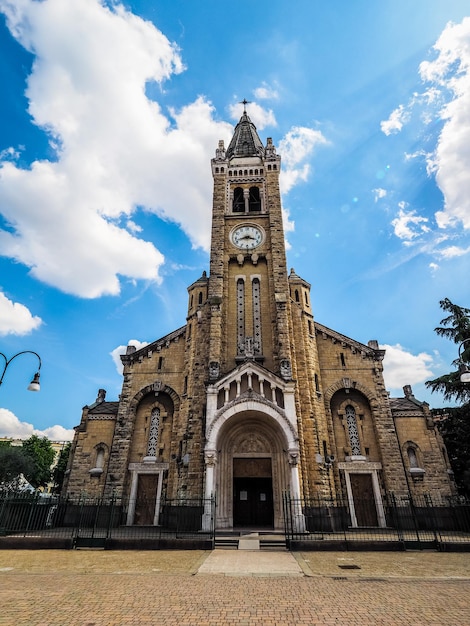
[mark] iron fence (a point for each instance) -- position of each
(99, 522)
(394, 523)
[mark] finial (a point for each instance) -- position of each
(245, 102)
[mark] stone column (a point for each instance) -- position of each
(210, 458)
(299, 519)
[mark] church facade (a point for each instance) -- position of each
(252, 397)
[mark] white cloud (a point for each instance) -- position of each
(73, 219)
(116, 353)
(453, 251)
(15, 318)
(116, 150)
(395, 122)
(258, 115)
(379, 193)
(296, 147)
(450, 70)
(408, 225)
(11, 426)
(266, 92)
(403, 368)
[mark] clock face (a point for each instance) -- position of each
(247, 237)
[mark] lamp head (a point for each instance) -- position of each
(464, 372)
(34, 384)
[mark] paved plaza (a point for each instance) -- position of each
(242, 587)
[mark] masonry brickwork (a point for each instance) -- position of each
(252, 396)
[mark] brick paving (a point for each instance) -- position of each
(88, 588)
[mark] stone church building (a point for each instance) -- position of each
(252, 397)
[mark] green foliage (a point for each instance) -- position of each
(42, 454)
(456, 327)
(13, 462)
(455, 430)
(58, 474)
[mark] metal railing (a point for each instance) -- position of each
(396, 523)
(102, 522)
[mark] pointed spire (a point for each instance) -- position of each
(245, 141)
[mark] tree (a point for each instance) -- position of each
(454, 426)
(454, 423)
(456, 327)
(13, 463)
(58, 474)
(42, 454)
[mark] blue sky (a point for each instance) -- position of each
(109, 117)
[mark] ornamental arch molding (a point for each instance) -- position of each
(248, 407)
(156, 388)
(340, 385)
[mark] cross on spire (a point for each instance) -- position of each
(245, 102)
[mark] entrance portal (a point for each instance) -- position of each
(252, 493)
(364, 501)
(146, 499)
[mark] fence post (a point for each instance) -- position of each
(111, 516)
(33, 505)
(430, 505)
(396, 516)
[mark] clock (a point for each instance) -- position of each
(247, 237)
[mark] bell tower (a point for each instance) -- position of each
(251, 449)
(248, 284)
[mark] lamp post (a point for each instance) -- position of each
(34, 384)
(464, 369)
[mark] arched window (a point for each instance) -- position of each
(254, 202)
(257, 316)
(412, 458)
(100, 451)
(100, 458)
(240, 316)
(199, 298)
(153, 434)
(353, 431)
(317, 384)
(238, 200)
(297, 297)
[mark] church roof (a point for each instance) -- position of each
(245, 141)
(347, 341)
(104, 408)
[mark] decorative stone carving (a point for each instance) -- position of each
(214, 370)
(252, 443)
(286, 369)
(293, 457)
(220, 151)
(210, 457)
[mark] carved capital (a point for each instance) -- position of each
(210, 458)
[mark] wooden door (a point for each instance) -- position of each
(253, 502)
(146, 499)
(364, 500)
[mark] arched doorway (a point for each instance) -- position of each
(252, 472)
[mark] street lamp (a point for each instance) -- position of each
(464, 370)
(34, 384)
